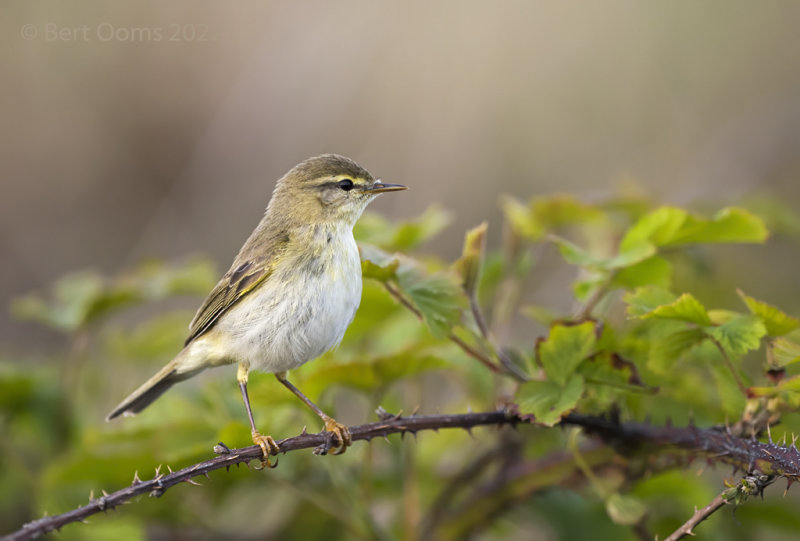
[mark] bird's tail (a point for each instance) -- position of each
(154, 387)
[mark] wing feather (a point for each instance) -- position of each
(248, 271)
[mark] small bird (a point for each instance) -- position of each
(289, 295)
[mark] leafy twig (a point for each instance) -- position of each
(466, 348)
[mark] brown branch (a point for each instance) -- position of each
(389, 424)
(717, 445)
(699, 516)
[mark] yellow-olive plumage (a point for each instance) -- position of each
(291, 292)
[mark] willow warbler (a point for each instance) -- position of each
(290, 294)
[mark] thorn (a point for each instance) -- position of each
(469, 409)
(769, 434)
(158, 470)
(206, 474)
(788, 486)
(193, 482)
(105, 494)
(304, 431)
(784, 439)
(794, 441)
(91, 495)
(385, 437)
(170, 469)
(414, 412)
(136, 479)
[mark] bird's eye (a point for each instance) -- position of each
(346, 184)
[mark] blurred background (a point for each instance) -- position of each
(157, 130)
(153, 129)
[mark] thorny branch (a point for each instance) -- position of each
(389, 424)
(770, 460)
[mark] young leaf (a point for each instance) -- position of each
(667, 350)
(777, 322)
(786, 352)
(546, 401)
(644, 300)
(653, 271)
(565, 348)
(728, 225)
(685, 308)
(402, 236)
(470, 263)
(739, 335)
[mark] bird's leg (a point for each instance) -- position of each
(267, 444)
(339, 430)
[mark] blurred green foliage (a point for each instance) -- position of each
(427, 337)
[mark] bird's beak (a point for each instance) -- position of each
(380, 187)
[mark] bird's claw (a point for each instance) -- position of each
(268, 447)
(340, 437)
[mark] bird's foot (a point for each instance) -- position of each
(339, 437)
(268, 447)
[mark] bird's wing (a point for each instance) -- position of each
(247, 273)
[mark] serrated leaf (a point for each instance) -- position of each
(668, 350)
(545, 402)
(545, 214)
(785, 351)
(401, 236)
(729, 225)
(565, 348)
(574, 254)
(438, 297)
(644, 300)
(381, 273)
(468, 266)
(657, 228)
(653, 271)
(739, 335)
(625, 510)
(668, 226)
(684, 308)
(776, 321)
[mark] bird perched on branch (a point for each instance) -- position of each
(290, 294)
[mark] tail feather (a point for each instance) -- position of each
(152, 389)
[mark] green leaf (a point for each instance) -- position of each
(684, 308)
(438, 297)
(644, 300)
(668, 226)
(777, 322)
(545, 214)
(545, 402)
(739, 335)
(565, 348)
(381, 273)
(657, 228)
(574, 254)
(730, 225)
(653, 271)
(667, 350)
(786, 351)
(470, 263)
(402, 236)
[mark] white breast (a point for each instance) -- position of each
(301, 311)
